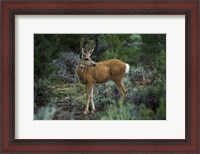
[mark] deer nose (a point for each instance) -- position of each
(94, 64)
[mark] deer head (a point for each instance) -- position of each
(86, 54)
(86, 59)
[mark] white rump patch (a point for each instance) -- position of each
(127, 68)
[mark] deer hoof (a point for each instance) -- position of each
(85, 112)
(93, 111)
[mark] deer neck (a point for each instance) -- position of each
(81, 71)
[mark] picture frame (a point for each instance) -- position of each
(47, 7)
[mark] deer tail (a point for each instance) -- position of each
(127, 68)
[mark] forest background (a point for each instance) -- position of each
(58, 95)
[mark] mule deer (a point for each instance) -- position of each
(91, 73)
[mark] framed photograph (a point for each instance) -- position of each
(103, 76)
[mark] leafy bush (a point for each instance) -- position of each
(114, 112)
(66, 65)
(42, 91)
(161, 111)
(105, 94)
(45, 113)
(128, 111)
(46, 48)
(144, 113)
(123, 47)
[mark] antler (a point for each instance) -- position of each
(81, 43)
(91, 46)
(88, 48)
(81, 46)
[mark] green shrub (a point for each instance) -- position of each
(42, 91)
(105, 94)
(114, 112)
(45, 50)
(45, 113)
(145, 113)
(161, 110)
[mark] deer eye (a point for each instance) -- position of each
(86, 58)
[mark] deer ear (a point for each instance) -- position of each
(91, 51)
(82, 51)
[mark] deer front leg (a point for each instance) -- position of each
(89, 97)
(86, 111)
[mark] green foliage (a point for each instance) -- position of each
(128, 111)
(128, 55)
(115, 41)
(71, 42)
(45, 113)
(113, 112)
(46, 48)
(123, 47)
(145, 113)
(160, 63)
(42, 91)
(161, 111)
(106, 94)
(151, 48)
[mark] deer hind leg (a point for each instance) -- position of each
(125, 89)
(122, 90)
(123, 86)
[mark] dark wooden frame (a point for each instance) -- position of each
(10, 8)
